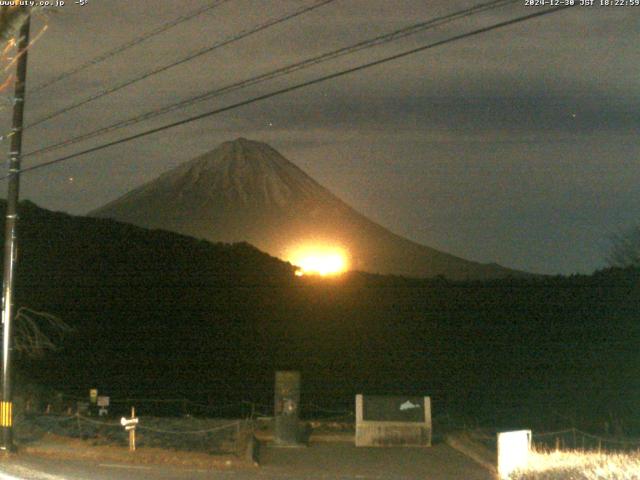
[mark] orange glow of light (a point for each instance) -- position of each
(319, 260)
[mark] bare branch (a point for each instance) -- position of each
(38, 332)
(625, 249)
(11, 19)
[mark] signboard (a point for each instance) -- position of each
(93, 395)
(513, 451)
(129, 422)
(129, 425)
(392, 421)
(393, 409)
(102, 401)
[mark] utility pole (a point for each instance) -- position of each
(13, 192)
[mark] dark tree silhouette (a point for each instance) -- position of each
(625, 249)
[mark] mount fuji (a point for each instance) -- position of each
(246, 191)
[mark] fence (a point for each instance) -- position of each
(173, 407)
(566, 439)
(213, 436)
(178, 423)
(575, 439)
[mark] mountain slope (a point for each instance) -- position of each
(158, 315)
(247, 191)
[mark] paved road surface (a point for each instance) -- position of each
(334, 461)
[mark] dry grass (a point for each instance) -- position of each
(579, 465)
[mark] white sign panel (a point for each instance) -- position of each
(513, 451)
(125, 422)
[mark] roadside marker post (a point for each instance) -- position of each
(129, 424)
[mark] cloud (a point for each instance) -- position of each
(493, 148)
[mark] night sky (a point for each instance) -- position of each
(519, 146)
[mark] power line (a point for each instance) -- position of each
(287, 69)
(245, 33)
(130, 44)
(293, 88)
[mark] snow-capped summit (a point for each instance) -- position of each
(246, 191)
(251, 173)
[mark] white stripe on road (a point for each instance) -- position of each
(118, 465)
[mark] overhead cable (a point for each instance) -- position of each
(293, 88)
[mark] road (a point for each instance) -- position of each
(319, 462)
